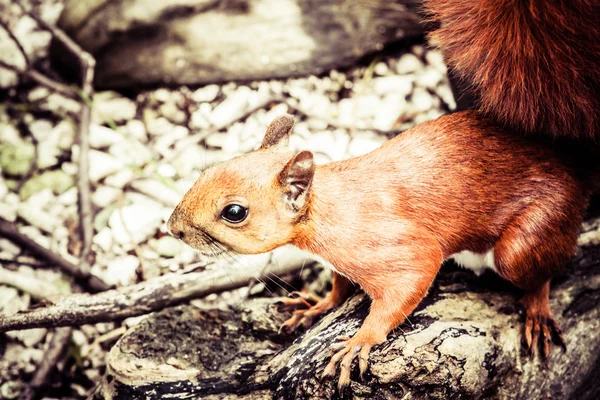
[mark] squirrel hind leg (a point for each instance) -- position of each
(540, 240)
(540, 327)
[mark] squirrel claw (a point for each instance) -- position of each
(348, 351)
(542, 331)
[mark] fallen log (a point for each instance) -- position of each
(464, 341)
(147, 42)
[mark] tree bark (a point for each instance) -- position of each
(464, 341)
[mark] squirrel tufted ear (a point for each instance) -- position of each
(278, 132)
(296, 179)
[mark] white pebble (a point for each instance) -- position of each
(401, 85)
(104, 239)
(121, 271)
(408, 64)
(104, 196)
(102, 165)
(234, 105)
(101, 136)
(206, 94)
(135, 223)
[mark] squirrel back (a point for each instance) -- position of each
(533, 65)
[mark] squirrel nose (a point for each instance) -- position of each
(173, 228)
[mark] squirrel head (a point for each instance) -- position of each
(250, 204)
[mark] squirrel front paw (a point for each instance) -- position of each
(303, 317)
(346, 352)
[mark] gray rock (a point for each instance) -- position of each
(121, 271)
(167, 246)
(408, 64)
(110, 106)
(101, 136)
(401, 85)
(103, 164)
(104, 196)
(257, 39)
(135, 223)
(206, 94)
(131, 152)
(16, 158)
(56, 180)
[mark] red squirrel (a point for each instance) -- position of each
(475, 186)
(388, 219)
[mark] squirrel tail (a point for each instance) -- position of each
(533, 65)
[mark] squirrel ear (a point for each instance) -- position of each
(278, 132)
(296, 179)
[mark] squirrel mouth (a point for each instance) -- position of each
(213, 247)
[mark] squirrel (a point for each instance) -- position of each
(487, 187)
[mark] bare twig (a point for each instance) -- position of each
(42, 80)
(130, 301)
(91, 282)
(56, 351)
(83, 179)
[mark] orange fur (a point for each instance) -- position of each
(388, 219)
(534, 65)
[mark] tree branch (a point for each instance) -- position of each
(42, 80)
(131, 301)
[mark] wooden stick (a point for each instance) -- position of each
(131, 301)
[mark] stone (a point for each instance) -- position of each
(157, 189)
(206, 94)
(392, 108)
(120, 178)
(64, 134)
(104, 196)
(102, 137)
(104, 239)
(135, 223)
(16, 158)
(137, 130)
(429, 78)
(408, 64)
(131, 152)
(401, 85)
(102, 165)
(235, 104)
(56, 180)
(121, 271)
(41, 129)
(421, 100)
(9, 133)
(167, 246)
(110, 107)
(180, 47)
(172, 112)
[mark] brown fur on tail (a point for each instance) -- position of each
(534, 65)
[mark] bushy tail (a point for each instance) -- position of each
(534, 65)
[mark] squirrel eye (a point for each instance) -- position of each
(234, 213)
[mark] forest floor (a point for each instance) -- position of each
(147, 147)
